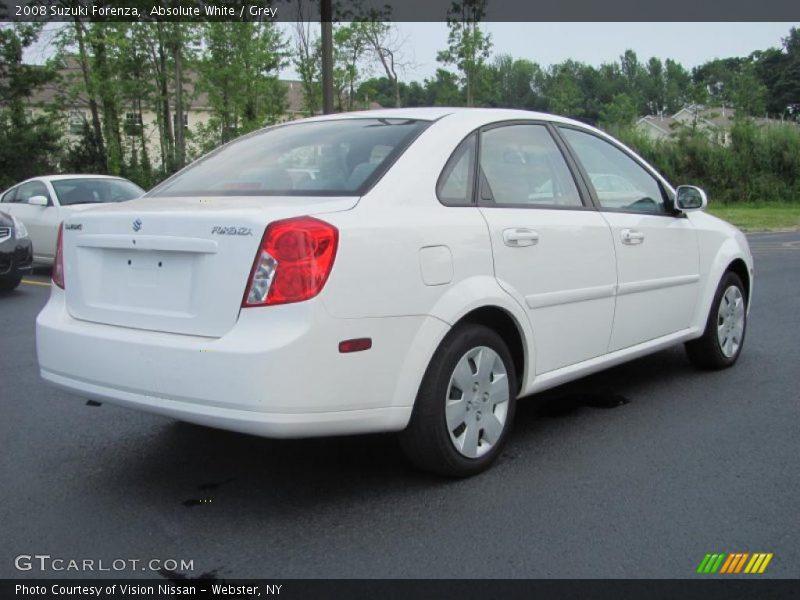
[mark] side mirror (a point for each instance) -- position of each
(38, 201)
(689, 198)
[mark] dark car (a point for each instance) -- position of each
(16, 252)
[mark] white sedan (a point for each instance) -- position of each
(430, 267)
(42, 203)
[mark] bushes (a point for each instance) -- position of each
(760, 164)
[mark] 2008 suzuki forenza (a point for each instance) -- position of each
(400, 270)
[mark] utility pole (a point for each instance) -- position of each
(326, 16)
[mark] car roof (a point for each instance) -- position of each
(434, 113)
(76, 176)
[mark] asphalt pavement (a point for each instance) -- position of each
(635, 472)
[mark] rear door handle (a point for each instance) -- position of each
(519, 237)
(632, 237)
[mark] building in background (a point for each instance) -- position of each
(141, 121)
(714, 121)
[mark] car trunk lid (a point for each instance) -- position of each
(177, 265)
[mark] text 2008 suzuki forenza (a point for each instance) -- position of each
(400, 270)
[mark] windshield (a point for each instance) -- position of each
(91, 191)
(341, 157)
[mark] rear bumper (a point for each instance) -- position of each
(266, 424)
(277, 373)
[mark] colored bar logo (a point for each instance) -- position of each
(734, 562)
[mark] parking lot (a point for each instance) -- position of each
(635, 472)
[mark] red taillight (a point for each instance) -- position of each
(58, 263)
(292, 263)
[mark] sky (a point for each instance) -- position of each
(690, 44)
(594, 43)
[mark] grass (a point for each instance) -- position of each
(760, 217)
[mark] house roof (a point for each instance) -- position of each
(716, 116)
(662, 123)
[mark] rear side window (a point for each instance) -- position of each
(339, 157)
(457, 179)
(521, 165)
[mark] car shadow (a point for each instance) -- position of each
(610, 388)
(204, 469)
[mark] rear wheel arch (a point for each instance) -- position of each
(506, 326)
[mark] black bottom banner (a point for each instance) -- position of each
(383, 589)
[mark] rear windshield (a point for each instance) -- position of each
(341, 157)
(90, 191)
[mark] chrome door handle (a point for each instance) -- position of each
(632, 237)
(519, 237)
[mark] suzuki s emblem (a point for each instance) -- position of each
(137, 224)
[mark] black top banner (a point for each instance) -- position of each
(400, 10)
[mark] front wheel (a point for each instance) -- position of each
(465, 405)
(726, 326)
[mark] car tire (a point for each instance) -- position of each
(465, 406)
(9, 283)
(726, 326)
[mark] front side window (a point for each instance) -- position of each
(619, 182)
(92, 191)
(337, 157)
(521, 165)
(33, 188)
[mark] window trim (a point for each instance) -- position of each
(586, 201)
(660, 181)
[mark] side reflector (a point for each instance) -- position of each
(356, 345)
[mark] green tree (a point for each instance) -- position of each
(380, 90)
(676, 85)
(747, 92)
(655, 86)
(386, 46)
(563, 91)
(468, 46)
(350, 46)
(443, 90)
(239, 72)
(103, 42)
(307, 60)
(620, 111)
(30, 138)
(512, 83)
(414, 94)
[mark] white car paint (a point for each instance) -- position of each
(43, 221)
(407, 269)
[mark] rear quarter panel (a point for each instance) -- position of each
(379, 269)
